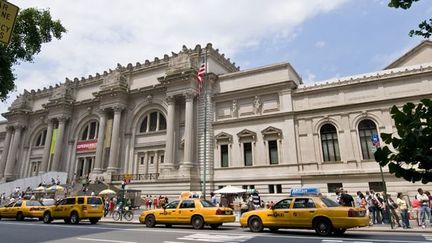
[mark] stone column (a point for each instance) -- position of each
(100, 143)
(5, 150)
(47, 148)
(188, 139)
(59, 144)
(9, 173)
(169, 147)
(113, 156)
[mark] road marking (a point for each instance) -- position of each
(174, 242)
(183, 231)
(104, 240)
(216, 238)
(332, 241)
(427, 237)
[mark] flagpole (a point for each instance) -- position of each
(205, 127)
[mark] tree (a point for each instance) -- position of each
(411, 155)
(33, 28)
(425, 27)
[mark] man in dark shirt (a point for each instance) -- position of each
(346, 199)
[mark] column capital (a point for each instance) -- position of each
(189, 96)
(62, 119)
(118, 107)
(9, 128)
(170, 100)
(19, 126)
(101, 112)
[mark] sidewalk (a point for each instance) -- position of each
(373, 228)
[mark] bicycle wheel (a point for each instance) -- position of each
(116, 215)
(128, 215)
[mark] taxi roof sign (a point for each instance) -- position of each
(305, 191)
(8, 15)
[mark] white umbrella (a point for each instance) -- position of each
(40, 189)
(56, 188)
(230, 190)
(107, 192)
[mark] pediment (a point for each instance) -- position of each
(246, 134)
(224, 136)
(422, 53)
(272, 131)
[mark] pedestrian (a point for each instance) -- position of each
(150, 202)
(424, 207)
(402, 205)
(392, 206)
(111, 206)
(106, 206)
(155, 202)
(213, 198)
(346, 199)
(416, 209)
(256, 200)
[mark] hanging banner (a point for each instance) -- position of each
(53, 140)
(83, 146)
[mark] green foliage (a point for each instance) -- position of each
(33, 28)
(411, 153)
(425, 28)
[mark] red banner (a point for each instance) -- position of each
(83, 146)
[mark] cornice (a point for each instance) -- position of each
(257, 70)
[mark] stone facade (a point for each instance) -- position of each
(265, 128)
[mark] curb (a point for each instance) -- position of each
(352, 229)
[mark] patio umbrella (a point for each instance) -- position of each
(39, 189)
(230, 190)
(107, 192)
(56, 188)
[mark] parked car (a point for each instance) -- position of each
(74, 209)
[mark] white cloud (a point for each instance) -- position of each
(310, 77)
(104, 33)
(320, 44)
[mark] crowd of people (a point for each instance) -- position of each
(382, 209)
(153, 202)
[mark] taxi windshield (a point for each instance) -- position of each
(207, 204)
(329, 203)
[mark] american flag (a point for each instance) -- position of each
(200, 77)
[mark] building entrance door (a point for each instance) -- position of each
(85, 165)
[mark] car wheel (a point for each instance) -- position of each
(197, 222)
(66, 220)
(323, 227)
(20, 216)
(339, 231)
(47, 218)
(94, 220)
(215, 226)
(255, 224)
(150, 221)
(273, 229)
(74, 218)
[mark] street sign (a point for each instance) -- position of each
(8, 14)
(375, 140)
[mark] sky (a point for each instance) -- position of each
(321, 39)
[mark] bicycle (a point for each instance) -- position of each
(119, 214)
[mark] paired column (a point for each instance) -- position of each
(59, 144)
(188, 133)
(100, 142)
(169, 147)
(9, 173)
(113, 157)
(5, 153)
(47, 148)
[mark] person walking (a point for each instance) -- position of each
(403, 208)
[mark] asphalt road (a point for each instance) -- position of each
(35, 231)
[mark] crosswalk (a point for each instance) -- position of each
(428, 237)
(218, 238)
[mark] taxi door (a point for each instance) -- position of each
(281, 214)
(57, 210)
(16, 207)
(185, 211)
(304, 210)
(168, 214)
(68, 206)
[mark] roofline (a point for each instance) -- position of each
(410, 52)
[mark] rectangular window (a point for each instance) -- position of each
(332, 187)
(245, 187)
(377, 186)
(151, 159)
(142, 160)
(278, 188)
(153, 121)
(80, 200)
(162, 159)
(271, 189)
(224, 155)
(273, 152)
(247, 154)
(251, 186)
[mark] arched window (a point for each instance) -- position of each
(40, 140)
(366, 128)
(90, 131)
(153, 121)
(329, 143)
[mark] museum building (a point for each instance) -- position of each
(260, 128)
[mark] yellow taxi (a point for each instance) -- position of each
(194, 211)
(306, 212)
(74, 209)
(23, 209)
